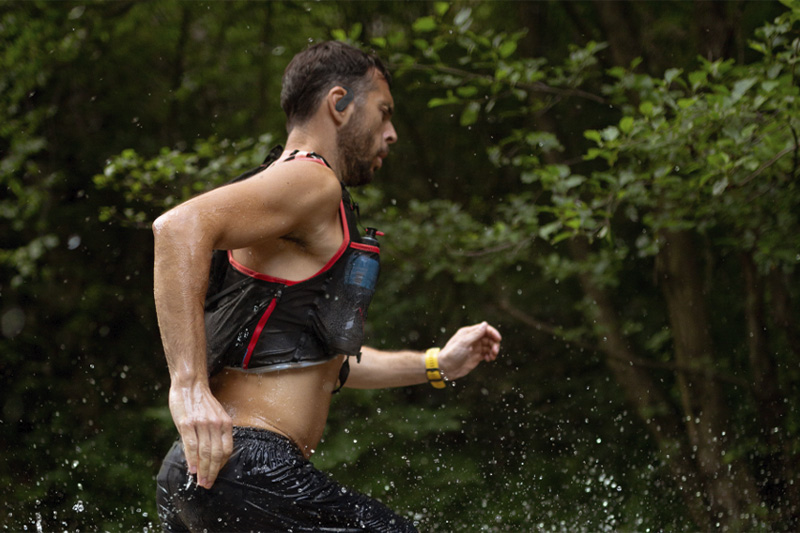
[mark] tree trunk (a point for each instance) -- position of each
(715, 30)
(178, 71)
(643, 393)
(781, 306)
(765, 378)
(621, 30)
(728, 485)
(777, 482)
(264, 70)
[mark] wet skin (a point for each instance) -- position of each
(292, 402)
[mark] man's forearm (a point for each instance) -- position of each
(180, 281)
(380, 369)
(465, 350)
(182, 261)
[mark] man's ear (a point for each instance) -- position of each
(339, 99)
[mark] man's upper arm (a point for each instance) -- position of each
(267, 206)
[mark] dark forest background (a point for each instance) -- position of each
(613, 184)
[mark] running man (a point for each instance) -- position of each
(261, 289)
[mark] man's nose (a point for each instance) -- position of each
(390, 134)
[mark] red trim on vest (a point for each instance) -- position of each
(365, 247)
(265, 277)
(257, 333)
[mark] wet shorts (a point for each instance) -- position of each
(266, 485)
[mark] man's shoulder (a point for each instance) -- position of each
(301, 182)
(306, 181)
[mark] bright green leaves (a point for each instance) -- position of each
(740, 87)
(424, 24)
(350, 36)
(24, 260)
(470, 114)
(441, 7)
(647, 109)
(626, 125)
(506, 48)
(151, 186)
(476, 73)
(691, 149)
(451, 98)
(698, 79)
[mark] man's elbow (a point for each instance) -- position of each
(164, 228)
(175, 227)
(159, 224)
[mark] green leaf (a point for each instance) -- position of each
(507, 48)
(594, 153)
(564, 235)
(611, 133)
(646, 109)
(467, 91)
(355, 31)
(572, 181)
(593, 135)
(424, 24)
(741, 87)
(697, 79)
(617, 72)
(757, 46)
(441, 7)
(671, 74)
(626, 124)
(449, 100)
(470, 114)
(548, 229)
(769, 85)
(718, 159)
(719, 187)
(462, 18)
(421, 44)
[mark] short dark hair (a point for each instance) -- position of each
(314, 71)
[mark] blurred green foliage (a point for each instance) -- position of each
(541, 176)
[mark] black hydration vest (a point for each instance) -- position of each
(260, 323)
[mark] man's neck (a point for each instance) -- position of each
(305, 138)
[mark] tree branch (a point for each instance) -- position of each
(494, 249)
(765, 166)
(535, 86)
(556, 331)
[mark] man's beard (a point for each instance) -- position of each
(354, 146)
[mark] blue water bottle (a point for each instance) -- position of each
(362, 274)
(344, 310)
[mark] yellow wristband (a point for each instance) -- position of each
(435, 377)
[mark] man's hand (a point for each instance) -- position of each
(206, 430)
(467, 348)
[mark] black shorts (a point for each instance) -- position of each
(266, 485)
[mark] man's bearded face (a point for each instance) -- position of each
(357, 151)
